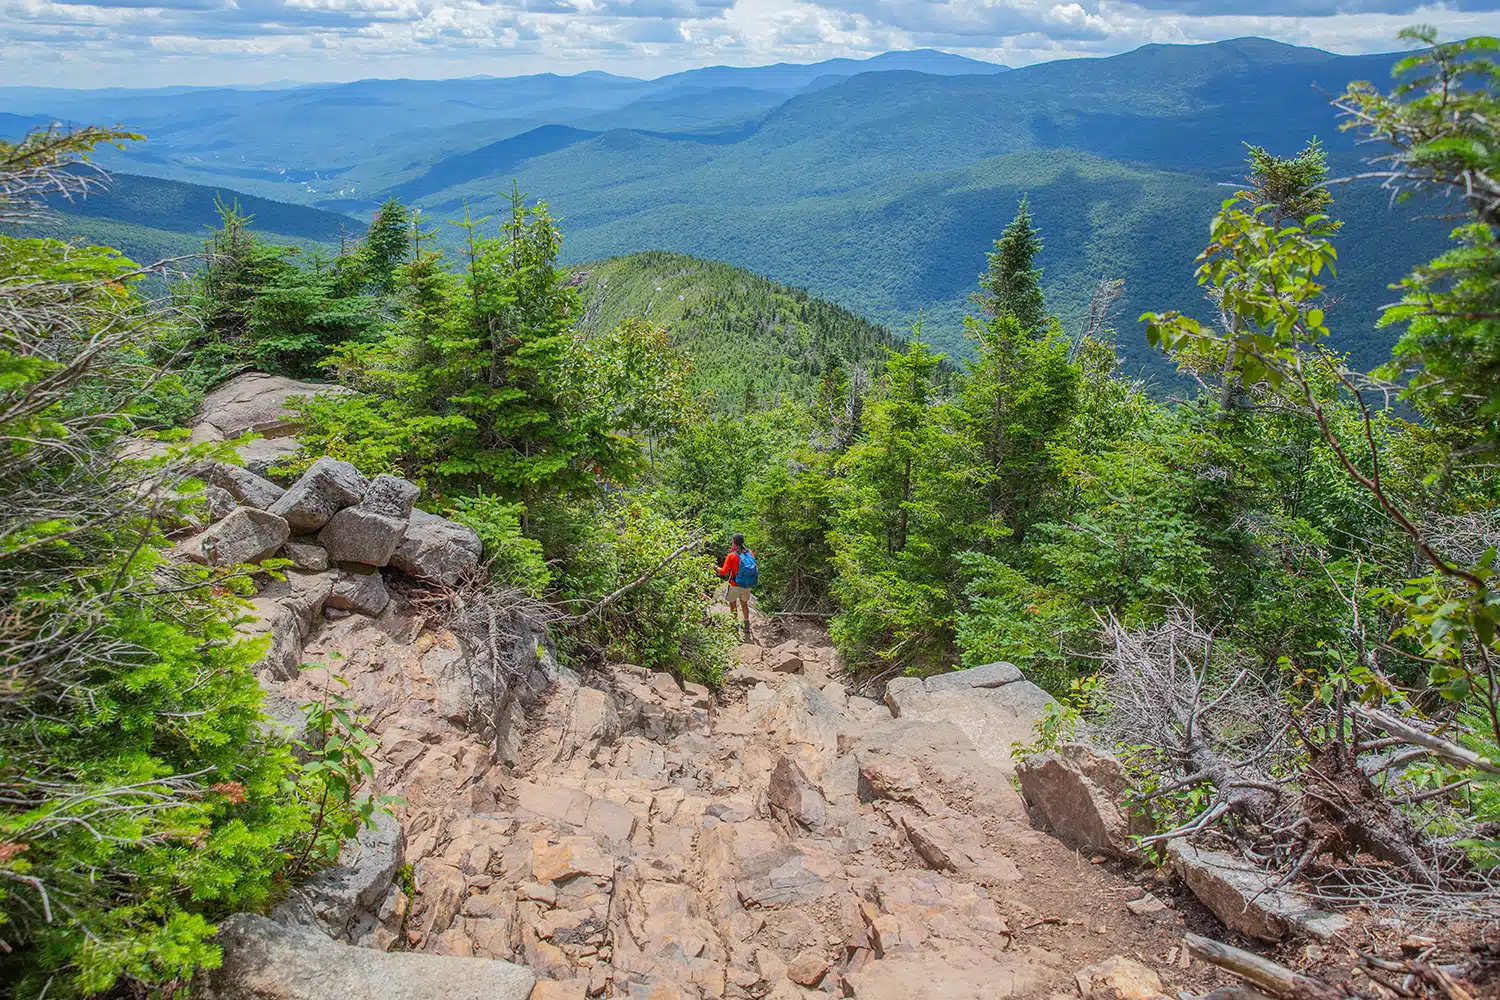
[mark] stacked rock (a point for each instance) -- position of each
(340, 530)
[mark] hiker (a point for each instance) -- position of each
(740, 570)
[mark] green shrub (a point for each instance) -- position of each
(138, 799)
(512, 559)
(664, 624)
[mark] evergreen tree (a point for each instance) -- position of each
(484, 386)
(900, 519)
(1291, 189)
(387, 245)
(237, 267)
(297, 316)
(508, 424)
(1013, 284)
(1019, 393)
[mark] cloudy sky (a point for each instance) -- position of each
(138, 43)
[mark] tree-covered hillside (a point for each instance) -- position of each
(150, 219)
(871, 184)
(882, 191)
(751, 341)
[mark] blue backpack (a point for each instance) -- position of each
(748, 575)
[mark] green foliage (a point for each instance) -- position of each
(1440, 123)
(257, 308)
(513, 559)
(1012, 286)
(1135, 536)
(296, 316)
(338, 763)
(1021, 390)
(664, 623)
(633, 379)
(792, 504)
(140, 800)
(387, 246)
(484, 385)
(1292, 188)
(902, 513)
(1008, 617)
(749, 338)
(1268, 280)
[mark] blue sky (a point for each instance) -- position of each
(143, 43)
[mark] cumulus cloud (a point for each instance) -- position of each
(1308, 8)
(158, 42)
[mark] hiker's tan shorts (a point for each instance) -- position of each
(734, 595)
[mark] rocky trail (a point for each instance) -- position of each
(776, 838)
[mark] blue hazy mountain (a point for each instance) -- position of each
(879, 183)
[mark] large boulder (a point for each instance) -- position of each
(1076, 792)
(1244, 897)
(994, 705)
(391, 496)
(452, 683)
(344, 901)
(242, 484)
(254, 403)
(247, 535)
(362, 591)
(360, 535)
(437, 549)
(306, 556)
(326, 488)
(370, 532)
(220, 502)
(265, 960)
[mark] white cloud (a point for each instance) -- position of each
(85, 43)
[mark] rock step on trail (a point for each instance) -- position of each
(777, 838)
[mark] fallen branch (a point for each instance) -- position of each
(1275, 979)
(1446, 749)
(592, 612)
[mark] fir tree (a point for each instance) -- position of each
(1013, 284)
(1291, 188)
(1020, 392)
(900, 520)
(387, 245)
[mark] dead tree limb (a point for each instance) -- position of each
(639, 581)
(1448, 750)
(1275, 979)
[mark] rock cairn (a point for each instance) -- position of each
(342, 532)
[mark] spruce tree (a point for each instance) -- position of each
(386, 247)
(900, 519)
(1013, 284)
(238, 267)
(1019, 393)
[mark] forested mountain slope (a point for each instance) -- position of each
(150, 219)
(880, 190)
(751, 340)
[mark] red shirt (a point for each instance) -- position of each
(731, 567)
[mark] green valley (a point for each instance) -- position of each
(876, 185)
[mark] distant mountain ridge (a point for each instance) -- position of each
(865, 181)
